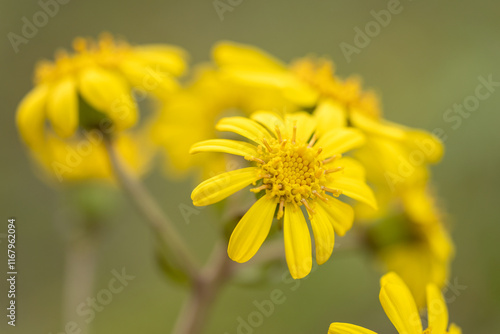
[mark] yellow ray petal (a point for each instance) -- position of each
(338, 141)
(270, 120)
(62, 107)
(324, 237)
(398, 304)
(233, 54)
(297, 242)
(350, 167)
(377, 127)
(426, 143)
(329, 115)
(306, 125)
(251, 230)
(225, 146)
(109, 93)
(30, 116)
(340, 214)
(244, 127)
(169, 58)
(454, 329)
(147, 79)
(223, 185)
(437, 312)
(342, 328)
(354, 188)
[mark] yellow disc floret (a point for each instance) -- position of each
(292, 172)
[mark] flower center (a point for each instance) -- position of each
(104, 52)
(292, 172)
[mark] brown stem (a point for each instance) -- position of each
(193, 316)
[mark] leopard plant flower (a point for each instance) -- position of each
(400, 308)
(298, 164)
(95, 88)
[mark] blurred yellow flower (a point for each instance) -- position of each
(196, 109)
(401, 309)
(96, 88)
(296, 164)
(409, 238)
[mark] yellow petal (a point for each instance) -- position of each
(62, 107)
(30, 116)
(426, 143)
(454, 329)
(329, 115)
(109, 93)
(342, 328)
(324, 237)
(398, 304)
(223, 185)
(169, 58)
(225, 146)
(340, 214)
(338, 141)
(251, 230)
(297, 242)
(234, 54)
(350, 167)
(244, 127)
(306, 124)
(377, 127)
(354, 188)
(270, 120)
(148, 79)
(437, 312)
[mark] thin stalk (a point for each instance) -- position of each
(193, 316)
(80, 270)
(159, 223)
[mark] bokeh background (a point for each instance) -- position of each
(428, 58)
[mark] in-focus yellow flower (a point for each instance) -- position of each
(296, 165)
(401, 309)
(411, 240)
(94, 88)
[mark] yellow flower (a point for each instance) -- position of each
(296, 165)
(411, 240)
(95, 88)
(401, 309)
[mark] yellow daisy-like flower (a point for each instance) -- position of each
(296, 165)
(401, 309)
(94, 88)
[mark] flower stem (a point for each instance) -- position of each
(193, 316)
(80, 268)
(167, 235)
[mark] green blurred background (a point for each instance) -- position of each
(428, 58)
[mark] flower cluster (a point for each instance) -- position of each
(313, 149)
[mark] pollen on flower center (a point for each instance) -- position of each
(292, 172)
